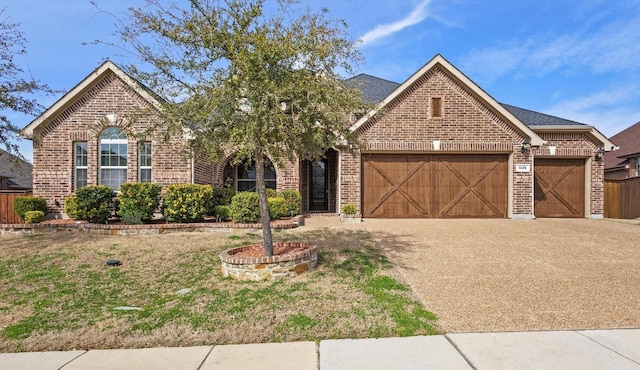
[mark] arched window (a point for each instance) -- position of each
(113, 157)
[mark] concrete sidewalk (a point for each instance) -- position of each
(591, 349)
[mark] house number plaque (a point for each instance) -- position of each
(523, 167)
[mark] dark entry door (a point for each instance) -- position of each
(318, 185)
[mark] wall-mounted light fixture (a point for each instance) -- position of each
(526, 146)
(351, 145)
(599, 154)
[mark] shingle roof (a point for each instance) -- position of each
(374, 89)
(629, 142)
(17, 171)
(532, 119)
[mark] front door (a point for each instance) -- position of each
(318, 186)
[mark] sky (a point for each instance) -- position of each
(576, 59)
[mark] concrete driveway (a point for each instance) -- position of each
(516, 275)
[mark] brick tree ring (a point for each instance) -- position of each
(249, 263)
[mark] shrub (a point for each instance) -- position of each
(349, 209)
(223, 196)
(71, 207)
(277, 207)
(22, 205)
(186, 202)
(293, 200)
(95, 203)
(33, 217)
(271, 193)
(138, 201)
(222, 212)
(245, 207)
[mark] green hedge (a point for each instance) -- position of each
(223, 196)
(33, 217)
(245, 207)
(223, 213)
(186, 202)
(96, 203)
(277, 207)
(71, 207)
(138, 201)
(293, 200)
(22, 205)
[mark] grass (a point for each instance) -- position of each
(56, 293)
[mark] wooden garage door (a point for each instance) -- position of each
(559, 187)
(434, 186)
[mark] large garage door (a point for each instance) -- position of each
(559, 187)
(435, 186)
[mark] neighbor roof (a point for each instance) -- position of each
(629, 142)
(17, 171)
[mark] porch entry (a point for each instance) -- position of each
(319, 183)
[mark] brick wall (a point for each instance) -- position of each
(84, 120)
(467, 125)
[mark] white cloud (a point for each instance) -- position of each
(611, 111)
(416, 16)
(599, 47)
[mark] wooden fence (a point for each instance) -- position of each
(7, 216)
(622, 198)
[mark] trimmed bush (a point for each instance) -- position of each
(138, 201)
(22, 205)
(186, 202)
(245, 207)
(33, 217)
(271, 193)
(71, 207)
(223, 196)
(277, 207)
(222, 212)
(349, 209)
(96, 203)
(293, 200)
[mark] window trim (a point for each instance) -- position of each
(104, 140)
(141, 154)
(77, 168)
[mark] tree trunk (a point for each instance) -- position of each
(261, 188)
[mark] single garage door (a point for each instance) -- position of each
(434, 186)
(559, 187)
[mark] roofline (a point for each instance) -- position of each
(607, 144)
(69, 98)
(440, 60)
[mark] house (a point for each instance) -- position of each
(15, 173)
(625, 162)
(435, 146)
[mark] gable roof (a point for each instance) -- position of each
(440, 61)
(541, 122)
(374, 89)
(629, 142)
(17, 171)
(87, 83)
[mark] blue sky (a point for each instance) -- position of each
(577, 59)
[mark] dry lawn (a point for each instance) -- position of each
(56, 293)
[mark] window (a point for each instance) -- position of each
(80, 164)
(113, 158)
(436, 107)
(246, 175)
(144, 162)
(638, 166)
